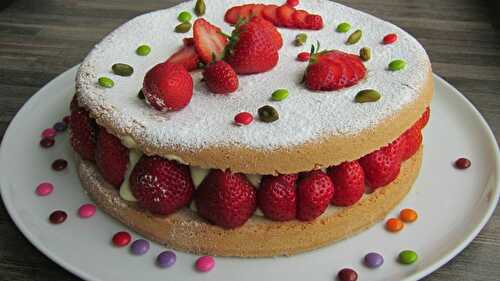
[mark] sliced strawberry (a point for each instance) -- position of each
(270, 14)
(188, 41)
(246, 11)
(424, 119)
(413, 140)
(285, 13)
(299, 19)
(186, 57)
(208, 40)
(257, 10)
(314, 22)
(232, 15)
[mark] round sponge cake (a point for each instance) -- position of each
(315, 129)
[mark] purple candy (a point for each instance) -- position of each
(373, 260)
(166, 259)
(60, 126)
(139, 247)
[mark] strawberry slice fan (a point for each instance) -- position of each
(197, 165)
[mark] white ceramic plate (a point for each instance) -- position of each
(453, 205)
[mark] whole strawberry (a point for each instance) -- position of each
(161, 186)
(314, 193)
(83, 133)
(225, 199)
(277, 198)
(349, 181)
(269, 28)
(220, 78)
(413, 140)
(382, 166)
(111, 158)
(168, 87)
(252, 49)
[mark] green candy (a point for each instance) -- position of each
(106, 82)
(396, 65)
(268, 114)
(368, 95)
(354, 37)
(122, 69)
(407, 257)
(184, 16)
(183, 27)
(280, 95)
(200, 7)
(343, 27)
(300, 39)
(143, 50)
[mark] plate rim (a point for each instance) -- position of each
(471, 235)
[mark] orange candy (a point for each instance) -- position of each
(394, 225)
(408, 215)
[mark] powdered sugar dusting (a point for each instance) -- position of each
(208, 120)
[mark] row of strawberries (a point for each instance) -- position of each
(281, 16)
(228, 199)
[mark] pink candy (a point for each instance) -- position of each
(44, 189)
(49, 133)
(205, 263)
(86, 211)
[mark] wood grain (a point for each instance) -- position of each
(41, 39)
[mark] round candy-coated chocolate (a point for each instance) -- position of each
(407, 257)
(166, 259)
(304, 56)
(60, 126)
(390, 38)
(58, 217)
(44, 189)
(205, 263)
(121, 239)
(462, 163)
(86, 210)
(373, 260)
(59, 164)
(66, 119)
(49, 133)
(139, 247)
(347, 274)
(243, 118)
(47, 142)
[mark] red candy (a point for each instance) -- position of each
(59, 165)
(47, 142)
(243, 118)
(205, 263)
(292, 3)
(121, 239)
(390, 38)
(49, 133)
(462, 163)
(58, 217)
(304, 56)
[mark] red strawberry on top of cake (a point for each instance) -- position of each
(209, 41)
(333, 70)
(253, 48)
(168, 87)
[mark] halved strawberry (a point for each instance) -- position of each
(285, 13)
(111, 158)
(246, 11)
(270, 14)
(209, 41)
(232, 15)
(299, 19)
(424, 119)
(186, 57)
(381, 167)
(257, 10)
(413, 140)
(277, 198)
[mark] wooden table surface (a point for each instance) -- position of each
(41, 39)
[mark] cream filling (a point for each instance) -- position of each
(125, 191)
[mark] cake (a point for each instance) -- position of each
(243, 140)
